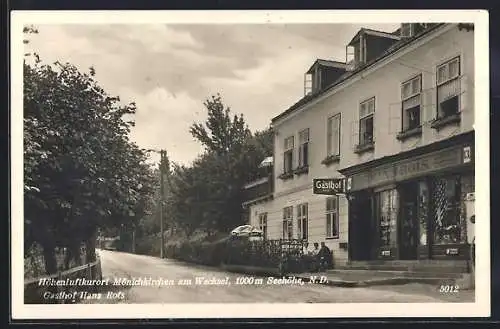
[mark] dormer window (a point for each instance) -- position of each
(322, 74)
(367, 45)
(308, 83)
(359, 50)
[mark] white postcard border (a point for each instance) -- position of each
(481, 307)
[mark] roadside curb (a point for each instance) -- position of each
(252, 270)
(376, 282)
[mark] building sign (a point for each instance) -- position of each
(329, 186)
(348, 184)
(467, 154)
(412, 168)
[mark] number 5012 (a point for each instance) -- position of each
(448, 289)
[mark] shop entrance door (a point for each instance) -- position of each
(409, 225)
(360, 227)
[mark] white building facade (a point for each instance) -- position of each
(398, 127)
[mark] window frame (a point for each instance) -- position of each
(447, 63)
(303, 144)
(303, 215)
(330, 132)
(288, 149)
(412, 95)
(263, 224)
(362, 49)
(366, 117)
(391, 228)
(454, 208)
(448, 79)
(333, 215)
(289, 222)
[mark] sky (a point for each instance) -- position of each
(169, 70)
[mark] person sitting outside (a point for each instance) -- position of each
(305, 248)
(313, 257)
(325, 257)
(306, 259)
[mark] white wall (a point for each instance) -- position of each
(316, 219)
(385, 85)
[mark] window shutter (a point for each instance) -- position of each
(329, 136)
(406, 90)
(453, 68)
(415, 86)
(371, 106)
(363, 110)
(448, 90)
(442, 73)
(336, 135)
(354, 133)
(328, 225)
(463, 93)
(394, 119)
(428, 112)
(411, 102)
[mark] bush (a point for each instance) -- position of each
(277, 254)
(148, 245)
(240, 251)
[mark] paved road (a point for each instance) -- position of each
(129, 266)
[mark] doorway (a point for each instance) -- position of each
(360, 226)
(409, 223)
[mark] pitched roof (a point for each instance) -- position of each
(396, 46)
(375, 33)
(328, 63)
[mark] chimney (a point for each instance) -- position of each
(409, 30)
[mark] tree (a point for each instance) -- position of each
(81, 170)
(221, 133)
(208, 195)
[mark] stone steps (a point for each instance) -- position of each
(361, 275)
(429, 266)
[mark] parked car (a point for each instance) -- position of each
(248, 231)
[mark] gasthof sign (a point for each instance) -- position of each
(329, 186)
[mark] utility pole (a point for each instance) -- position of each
(162, 198)
(133, 240)
(164, 168)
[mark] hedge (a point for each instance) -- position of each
(279, 254)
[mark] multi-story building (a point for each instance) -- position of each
(395, 121)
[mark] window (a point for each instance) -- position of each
(359, 49)
(304, 148)
(448, 88)
(411, 99)
(263, 224)
(288, 155)
(333, 136)
(288, 223)
(332, 217)
(362, 49)
(447, 210)
(366, 112)
(387, 211)
(302, 221)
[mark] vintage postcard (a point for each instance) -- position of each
(250, 164)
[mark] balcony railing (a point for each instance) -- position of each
(259, 188)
